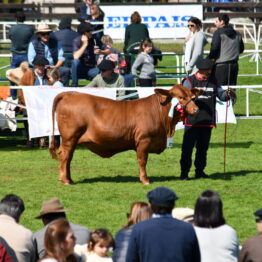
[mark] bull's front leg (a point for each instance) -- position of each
(142, 156)
(66, 151)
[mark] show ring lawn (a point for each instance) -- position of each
(105, 188)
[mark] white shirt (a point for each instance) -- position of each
(218, 244)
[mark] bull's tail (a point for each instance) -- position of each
(53, 146)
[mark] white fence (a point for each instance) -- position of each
(249, 89)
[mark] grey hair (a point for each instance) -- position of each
(12, 205)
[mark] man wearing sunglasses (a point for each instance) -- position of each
(251, 249)
(42, 44)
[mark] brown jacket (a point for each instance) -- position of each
(252, 249)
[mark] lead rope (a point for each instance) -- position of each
(225, 131)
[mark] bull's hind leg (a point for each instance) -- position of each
(66, 151)
(142, 156)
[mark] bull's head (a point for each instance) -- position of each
(185, 97)
(185, 101)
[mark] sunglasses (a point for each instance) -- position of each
(190, 25)
(47, 33)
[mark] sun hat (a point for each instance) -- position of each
(162, 196)
(183, 213)
(51, 206)
(43, 28)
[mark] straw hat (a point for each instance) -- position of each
(51, 206)
(43, 28)
(183, 213)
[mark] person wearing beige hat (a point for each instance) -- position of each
(185, 214)
(52, 210)
(44, 44)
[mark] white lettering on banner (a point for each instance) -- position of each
(149, 21)
(39, 102)
(163, 21)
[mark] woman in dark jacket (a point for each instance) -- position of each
(134, 34)
(139, 211)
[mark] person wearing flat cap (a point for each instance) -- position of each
(52, 210)
(43, 44)
(163, 238)
(107, 77)
(251, 250)
(198, 127)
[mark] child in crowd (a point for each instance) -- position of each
(53, 77)
(145, 64)
(97, 248)
(108, 52)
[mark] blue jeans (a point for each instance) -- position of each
(65, 75)
(16, 60)
(79, 70)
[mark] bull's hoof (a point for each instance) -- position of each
(145, 181)
(68, 183)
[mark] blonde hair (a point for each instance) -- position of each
(53, 75)
(107, 40)
(139, 211)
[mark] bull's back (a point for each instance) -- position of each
(106, 125)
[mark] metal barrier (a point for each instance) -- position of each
(249, 88)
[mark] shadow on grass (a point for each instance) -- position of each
(124, 179)
(229, 175)
(154, 179)
(233, 145)
(229, 145)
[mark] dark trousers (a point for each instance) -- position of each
(226, 73)
(199, 137)
(145, 82)
(65, 75)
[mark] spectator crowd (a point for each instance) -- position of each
(155, 231)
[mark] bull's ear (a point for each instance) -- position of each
(164, 94)
(196, 91)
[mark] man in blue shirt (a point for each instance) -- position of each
(44, 45)
(163, 238)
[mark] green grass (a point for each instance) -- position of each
(105, 188)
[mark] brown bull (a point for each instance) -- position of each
(108, 127)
